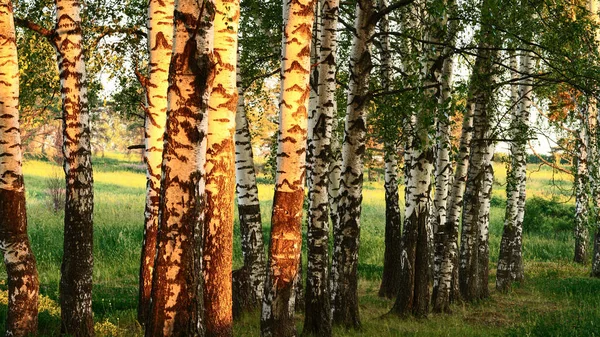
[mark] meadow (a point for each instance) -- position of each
(558, 298)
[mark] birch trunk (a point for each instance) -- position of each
(220, 173)
(77, 264)
(248, 282)
(415, 272)
(510, 261)
(443, 171)
(390, 279)
(595, 176)
(317, 320)
(277, 317)
(23, 283)
(581, 196)
(592, 6)
(346, 232)
(177, 289)
(448, 232)
(160, 45)
(471, 263)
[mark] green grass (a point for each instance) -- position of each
(556, 299)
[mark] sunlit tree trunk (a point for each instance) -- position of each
(448, 231)
(160, 45)
(344, 269)
(77, 264)
(581, 195)
(391, 260)
(220, 173)
(317, 320)
(510, 260)
(277, 318)
(473, 237)
(177, 290)
(249, 281)
(23, 283)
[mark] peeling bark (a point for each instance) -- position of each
(317, 320)
(23, 283)
(160, 45)
(220, 173)
(78, 259)
(344, 268)
(177, 290)
(277, 317)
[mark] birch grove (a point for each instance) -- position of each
(23, 283)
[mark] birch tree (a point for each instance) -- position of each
(23, 283)
(447, 280)
(476, 206)
(414, 296)
(510, 261)
(277, 318)
(346, 231)
(250, 279)
(177, 290)
(160, 45)
(220, 173)
(318, 309)
(581, 193)
(77, 265)
(391, 261)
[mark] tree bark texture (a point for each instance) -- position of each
(220, 173)
(177, 290)
(317, 315)
(443, 171)
(510, 260)
(447, 234)
(78, 259)
(581, 196)
(476, 205)
(390, 279)
(23, 283)
(413, 295)
(344, 269)
(253, 276)
(277, 317)
(160, 45)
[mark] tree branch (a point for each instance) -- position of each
(24, 23)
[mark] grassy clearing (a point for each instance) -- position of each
(557, 299)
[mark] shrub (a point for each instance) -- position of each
(547, 216)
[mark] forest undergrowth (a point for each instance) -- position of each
(556, 299)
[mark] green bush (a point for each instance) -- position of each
(547, 216)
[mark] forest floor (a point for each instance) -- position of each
(556, 299)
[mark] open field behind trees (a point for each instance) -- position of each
(557, 299)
